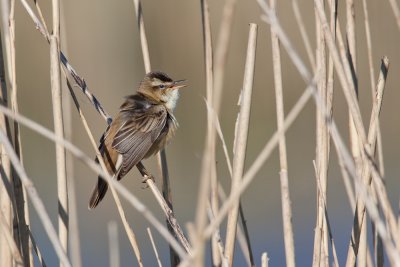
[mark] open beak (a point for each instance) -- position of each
(177, 84)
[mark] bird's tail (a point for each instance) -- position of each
(98, 194)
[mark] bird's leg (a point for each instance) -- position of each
(143, 171)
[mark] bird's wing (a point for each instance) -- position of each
(137, 134)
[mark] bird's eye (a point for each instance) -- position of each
(161, 86)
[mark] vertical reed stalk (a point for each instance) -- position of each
(321, 251)
(213, 97)
(285, 193)
(264, 259)
(12, 245)
(355, 149)
(241, 140)
(74, 232)
(376, 239)
(113, 244)
(207, 161)
(161, 156)
(21, 217)
(5, 201)
(59, 127)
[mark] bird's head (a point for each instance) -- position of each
(159, 87)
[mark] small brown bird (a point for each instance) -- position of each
(143, 126)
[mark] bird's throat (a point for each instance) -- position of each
(170, 99)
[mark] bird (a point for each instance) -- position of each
(143, 126)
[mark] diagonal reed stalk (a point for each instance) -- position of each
(154, 247)
(135, 202)
(36, 201)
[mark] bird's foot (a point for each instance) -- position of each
(144, 180)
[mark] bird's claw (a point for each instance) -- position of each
(144, 180)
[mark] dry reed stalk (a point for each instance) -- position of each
(344, 72)
(21, 212)
(240, 143)
(221, 52)
(396, 11)
(154, 247)
(258, 163)
(372, 135)
(330, 73)
(169, 214)
(376, 239)
(5, 202)
(37, 250)
(9, 239)
(97, 170)
(209, 155)
(352, 102)
(344, 75)
(264, 259)
(161, 156)
(217, 237)
(369, 46)
(304, 34)
(36, 201)
(321, 248)
(74, 233)
(55, 73)
(71, 71)
(6, 172)
(113, 243)
(329, 231)
(129, 232)
(354, 142)
(329, 104)
(284, 181)
(244, 236)
(208, 174)
(142, 35)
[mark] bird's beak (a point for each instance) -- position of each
(177, 84)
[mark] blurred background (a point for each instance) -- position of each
(102, 44)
